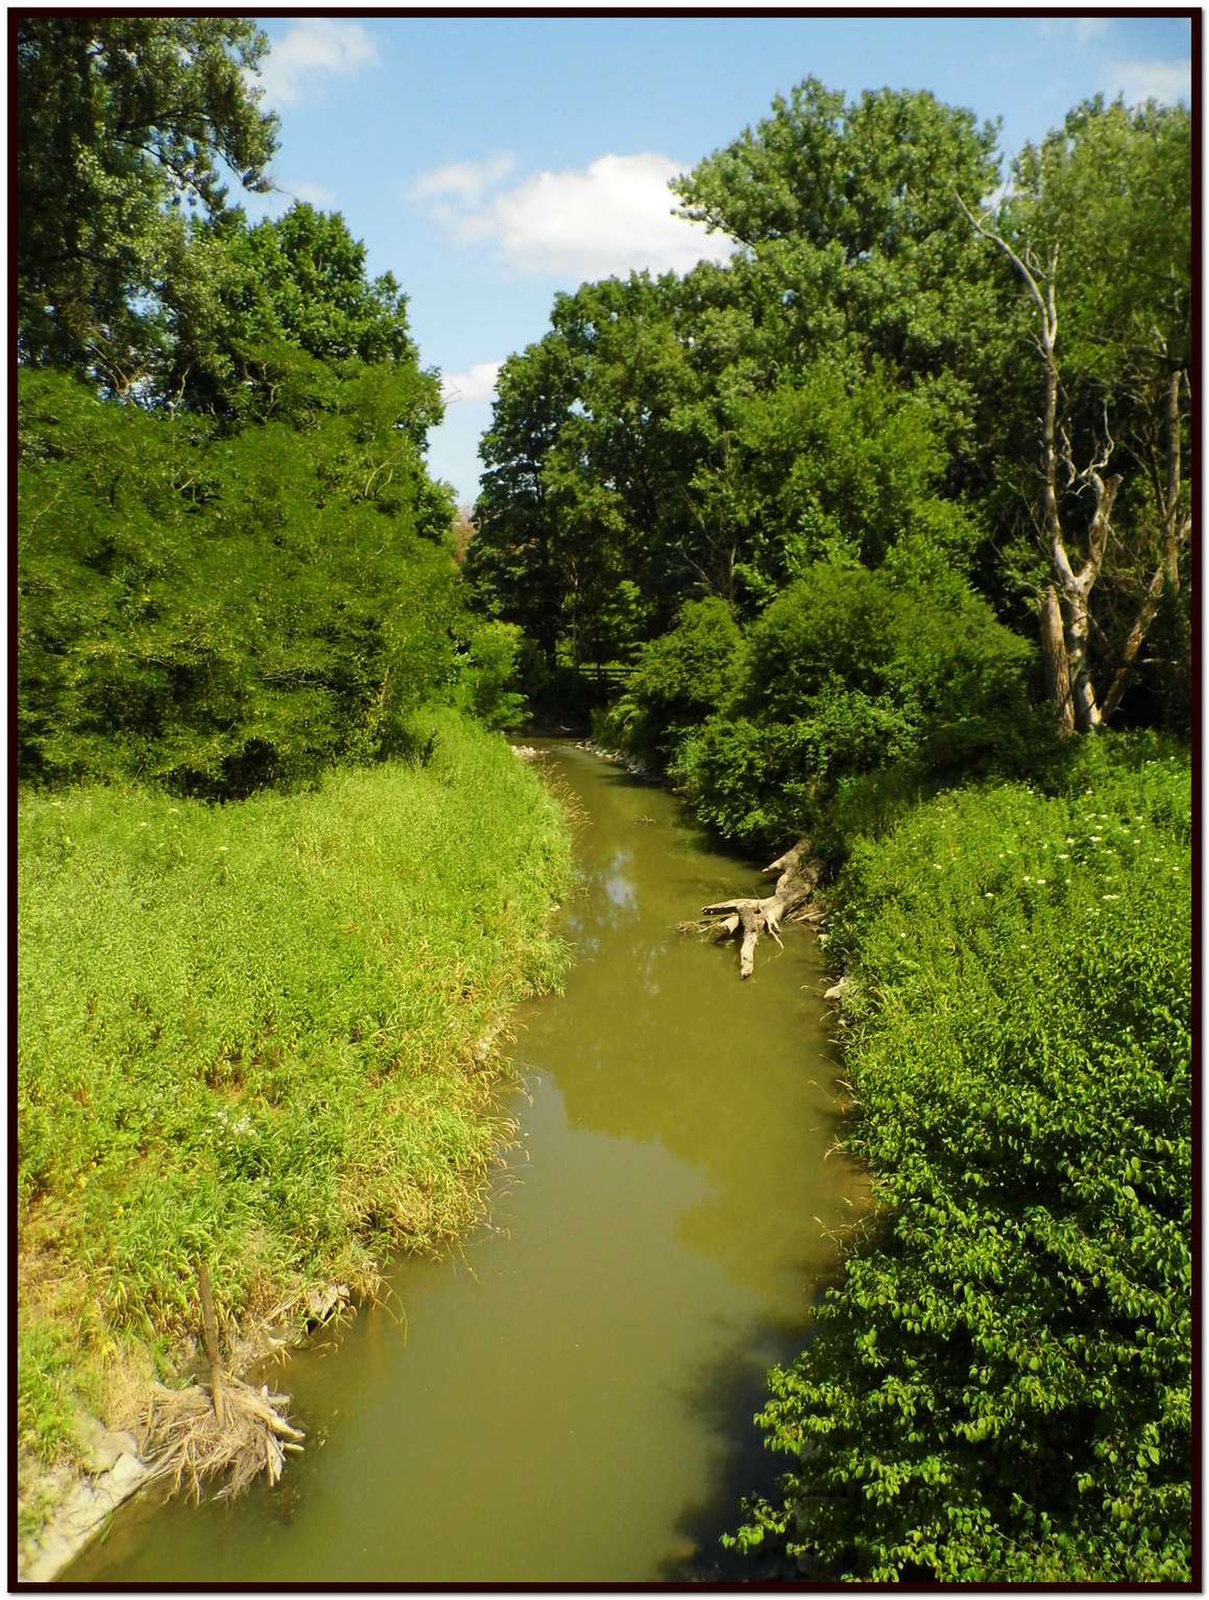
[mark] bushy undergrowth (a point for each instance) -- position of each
(679, 679)
(1000, 1388)
(847, 675)
(219, 611)
(252, 1035)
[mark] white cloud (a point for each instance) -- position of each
(465, 181)
(612, 217)
(476, 384)
(1165, 81)
(312, 48)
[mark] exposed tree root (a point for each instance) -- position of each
(186, 1440)
(727, 919)
(231, 1430)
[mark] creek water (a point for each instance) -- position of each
(569, 1399)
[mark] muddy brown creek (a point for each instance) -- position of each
(569, 1398)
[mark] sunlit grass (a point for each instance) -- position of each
(255, 1034)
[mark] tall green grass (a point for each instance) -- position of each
(1000, 1389)
(256, 1034)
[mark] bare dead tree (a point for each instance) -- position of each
(1065, 648)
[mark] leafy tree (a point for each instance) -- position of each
(511, 563)
(679, 678)
(238, 294)
(832, 464)
(846, 208)
(120, 120)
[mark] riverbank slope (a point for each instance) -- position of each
(257, 1036)
(1000, 1388)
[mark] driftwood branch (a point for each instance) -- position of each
(753, 915)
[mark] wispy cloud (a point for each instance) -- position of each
(1138, 81)
(611, 217)
(310, 50)
(464, 181)
(1078, 30)
(313, 193)
(478, 383)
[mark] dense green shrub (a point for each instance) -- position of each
(999, 1390)
(678, 678)
(489, 672)
(222, 613)
(850, 674)
(930, 649)
(255, 1033)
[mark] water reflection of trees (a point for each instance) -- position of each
(657, 1041)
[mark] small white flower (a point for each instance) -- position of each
(1063, 856)
(1041, 880)
(224, 848)
(1027, 879)
(987, 895)
(1110, 897)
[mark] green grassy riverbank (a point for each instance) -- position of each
(257, 1035)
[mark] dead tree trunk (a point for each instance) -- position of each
(1057, 665)
(798, 873)
(210, 1340)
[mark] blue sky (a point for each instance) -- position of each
(490, 162)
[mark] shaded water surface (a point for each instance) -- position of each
(571, 1400)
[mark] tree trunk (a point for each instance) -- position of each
(210, 1340)
(1078, 630)
(1057, 666)
(1159, 584)
(1172, 507)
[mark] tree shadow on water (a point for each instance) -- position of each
(724, 1395)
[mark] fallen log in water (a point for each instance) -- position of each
(798, 873)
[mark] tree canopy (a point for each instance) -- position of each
(234, 567)
(858, 380)
(124, 125)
